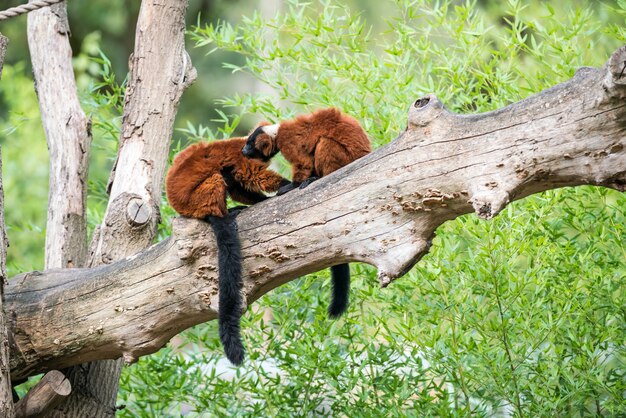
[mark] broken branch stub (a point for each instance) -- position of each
(382, 209)
(45, 395)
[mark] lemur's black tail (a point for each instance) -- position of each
(230, 282)
(340, 275)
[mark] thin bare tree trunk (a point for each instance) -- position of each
(6, 398)
(382, 209)
(68, 132)
(160, 70)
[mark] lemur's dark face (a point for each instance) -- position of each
(260, 146)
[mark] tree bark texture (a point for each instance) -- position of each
(4, 41)
(68, 132)
(382, 210)
(41, 398)
(160, 70)
(6, 398)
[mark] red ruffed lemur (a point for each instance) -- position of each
(197, 184)
(315, 145)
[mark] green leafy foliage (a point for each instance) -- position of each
(520, 316)
(25, 180)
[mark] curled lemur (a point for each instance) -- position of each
(197, 184)
(315, 145)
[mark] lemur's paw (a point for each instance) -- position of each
(236, 210)
(308, 181)
(286, 188)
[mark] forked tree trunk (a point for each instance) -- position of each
(383, 210)
(6, 399)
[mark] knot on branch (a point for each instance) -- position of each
(131, 216)
(488, 204)
(135, 210)
(424, 110)
(138, 212)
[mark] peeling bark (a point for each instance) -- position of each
(382, 210)
(6, 398)
(68, 132)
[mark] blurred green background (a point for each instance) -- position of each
(524, 315)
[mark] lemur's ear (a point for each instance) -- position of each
(268, 128)
(271, 130)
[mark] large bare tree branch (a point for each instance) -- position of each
(383, 210)
(68, 132)
(160, 70)
(6, 398)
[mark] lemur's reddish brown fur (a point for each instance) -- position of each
(196, 184)
(315, 144)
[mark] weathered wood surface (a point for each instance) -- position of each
(45, 395)
(68, 132)
(382, 210)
